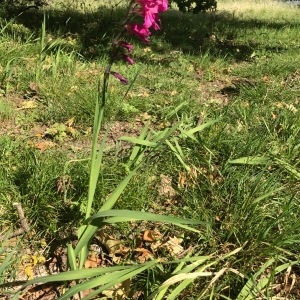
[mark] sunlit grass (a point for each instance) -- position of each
(238, 65)
(277, 11)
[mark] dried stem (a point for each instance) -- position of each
(24, 225)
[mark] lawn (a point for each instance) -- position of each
(211, 107)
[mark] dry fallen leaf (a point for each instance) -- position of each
(151, 235)
(188, 179)
(165, 187)
(119, 291)
(154, 246)
(112, 244)
(72, 131)
(143, 94)
(33, 86)
(92, 261)
(28, 104)
(44, 145)
(173, 246)
(143, 254)
(145, 116)
(70, 122)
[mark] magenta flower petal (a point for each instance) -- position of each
(125, 45)
(155, 23)
(163, 6)
(148, 10)
(128, 59)
(140, 31)
(148, 20)
(122, 79)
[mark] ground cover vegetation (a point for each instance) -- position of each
(206, 130)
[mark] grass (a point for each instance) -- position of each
(238, 65)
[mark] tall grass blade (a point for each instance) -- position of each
(186, 276)
(201, 127)
(176, 109)
(292, 170)
(250, 289)
(7, 261)
(251, 160)
(131, 84)
(96, 161)
(137, 148)
(255, 286)
(138, 141)
(178, 153)
(130, 275)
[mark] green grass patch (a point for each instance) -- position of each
(230, 78)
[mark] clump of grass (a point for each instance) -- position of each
(6, 110)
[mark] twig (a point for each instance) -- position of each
(23, 220)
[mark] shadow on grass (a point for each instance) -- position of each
(189, 33)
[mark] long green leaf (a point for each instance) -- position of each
(76, 275)
(176, 109)
(90, 230)
(96, 161)
(6, 263)
(107, 281)
(86, 233)
(71, 257)
(129, 215)
(8, 260)
(164, 135)
(251, 160)
(137, 148)
(178, 153)
(253, 286)
(201, 127)
(137, 141)
(118, 280)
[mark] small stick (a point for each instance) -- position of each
(23, 220)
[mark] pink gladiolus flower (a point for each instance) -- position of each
(150, 20)
(153, 6)
(125, 45)
(140, 31)
(128, 59)
(122, 79)
(149, 10)
(163, 6)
